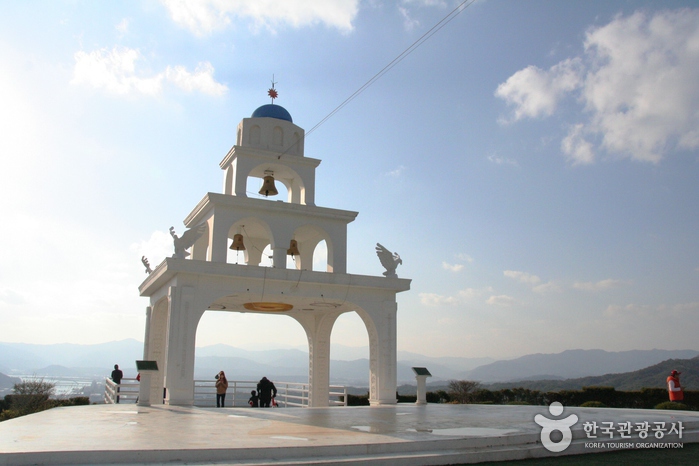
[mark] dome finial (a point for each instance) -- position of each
(272, 92)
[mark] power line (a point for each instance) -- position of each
(426, 36)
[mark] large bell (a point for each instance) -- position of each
(293, 249)
(237, 244)
(268, 188)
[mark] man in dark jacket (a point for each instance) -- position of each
(266, 391)
(117, 375)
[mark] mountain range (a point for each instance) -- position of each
(348, 365)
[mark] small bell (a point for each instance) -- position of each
(293, 249)
(237, 244)
(268, 188)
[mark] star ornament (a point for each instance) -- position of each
(272, 93)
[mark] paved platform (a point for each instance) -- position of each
(402, 434)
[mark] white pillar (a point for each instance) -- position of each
(182, 328)
(381, 326)
(318, 328)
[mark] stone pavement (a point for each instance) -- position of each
(403, 434)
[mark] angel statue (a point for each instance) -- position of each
(145, 262)
(389, 260)
(188, 238)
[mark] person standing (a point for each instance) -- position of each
(266, 391)
(254, 400)
(117, 375)
(221, 387)
(674, 388)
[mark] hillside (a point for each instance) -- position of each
(573, 364)
(649, 377)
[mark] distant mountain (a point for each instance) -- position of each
(96, 361)
(650, 377)
(8, 382)
(573, 364)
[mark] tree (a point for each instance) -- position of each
(462, 391)
(29, 397)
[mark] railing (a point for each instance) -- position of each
(289, 394)
(125, 392)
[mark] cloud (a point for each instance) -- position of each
(452, 267)
(203, 17)
(408, 23)
(469, 259)
(600, 285)
(578, 150)
(636, 84)
(201, 80)
(502, 160)
(462, 296)
(397, 172)
(523, 277)
(535, 92)
(501, 300)
(123, 26)
(115, 71)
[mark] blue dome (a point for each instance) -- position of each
(272, 111)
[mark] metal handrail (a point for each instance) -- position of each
(289, 394)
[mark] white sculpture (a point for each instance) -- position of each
(389, 260)
(188, 238)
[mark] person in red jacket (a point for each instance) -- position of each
(673, 386)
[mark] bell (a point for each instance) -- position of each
(237, 244)
(268, 188)
(293, 249)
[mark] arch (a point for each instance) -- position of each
(287, 176)
(308, 238)
(278, 136)
(257, 235)
(255, 136)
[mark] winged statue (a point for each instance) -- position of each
(185, 242)
(146, 264)
(389, 260)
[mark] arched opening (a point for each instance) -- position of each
(349, 352)
(256, 237)
(320, 257)
(248, 346)
(253, 190)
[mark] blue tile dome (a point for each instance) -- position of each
(272, 111)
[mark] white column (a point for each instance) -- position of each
(381, 326)
(181, 335)
(318, 328)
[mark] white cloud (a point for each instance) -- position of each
(637, 83)
(201, 80)
(462, 296)
(467, 258)
(601, 285)
(408, 23)
(502, 160)
(578, 150)
(548, 287)
(501, 300)
(535, 92)
(116, 72)
(397, 172)
(123, 26)
(523, 277)
(203, 17)
(433, 299)
(452, 267)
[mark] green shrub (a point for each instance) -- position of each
(517, 403)
(593, 404)
(671, 405)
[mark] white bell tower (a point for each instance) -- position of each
(210, 279)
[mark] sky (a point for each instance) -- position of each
(535, 164)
